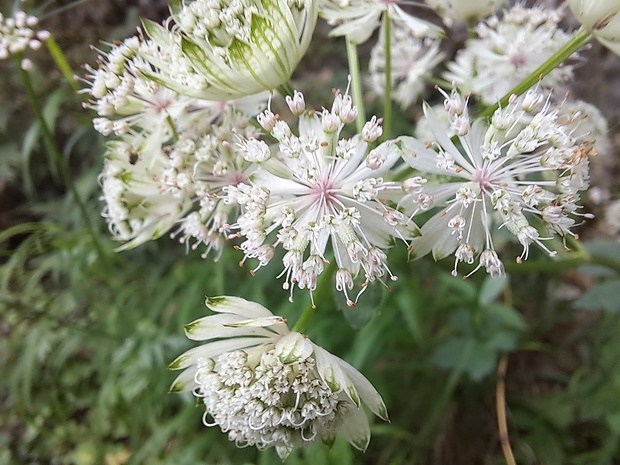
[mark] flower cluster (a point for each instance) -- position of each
(507, 50)
(19, 33)
(318, 187)
(173, 153)
(523, 171)
(412, 58)
(358, 19)
(268, 387)
(602, 18)
(222, 50)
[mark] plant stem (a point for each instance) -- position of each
(52, 147)
(581, 37)
(62, 63)
(500, 406)
(356, 83)
(318, 296)
(387, 103)
(549, 266)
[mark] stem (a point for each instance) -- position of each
(62, 63)
(322, 286)
(500, 405)
(387, 103)
(356, 83)
(561, 265)
(581, 37)
(57, 156)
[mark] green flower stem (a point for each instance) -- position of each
(549, 266)
(318, 296)
(52, 146)
(62, 63)
(387, 102)
(581, 37)
(356, 84)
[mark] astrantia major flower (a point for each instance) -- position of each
(228, 49)
(521, 171)
(358, 19)
(268, 387)
(507, 50)
(153, 184)
(317, 187)
(18, 33)
(413, 57)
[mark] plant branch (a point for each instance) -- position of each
(581, 37)
(500, 405)
(387, 102)
(356, 83)
(61, 164)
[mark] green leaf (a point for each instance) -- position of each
(603, 296)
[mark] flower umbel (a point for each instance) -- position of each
(523, 169)
(229, 49)
(507, 50)
(319, 187)
(268, 387)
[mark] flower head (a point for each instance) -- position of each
(521, 171)
(222, 49)
(18, 33)
(413, 57)
(317, 187)
(358, 19)
(602, 18)
(268, 387)
(509, 49)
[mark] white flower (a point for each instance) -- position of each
(318, 187)
(268, 387)
(460, 10)
(413, 58)
(601, 18)
(18, 33)
(358, 19)
(141, 204)
(507, 50)
(228, 49)
(523, 169)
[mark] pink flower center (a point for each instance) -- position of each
(323, 191)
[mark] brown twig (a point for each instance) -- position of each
(500, 405)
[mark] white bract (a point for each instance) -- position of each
(505, 51)
(221, 49)
(268, 387)
(413, 58)
(317, 187)
(601, 18)
(358, 19)
(521, 171)
(18, 33)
